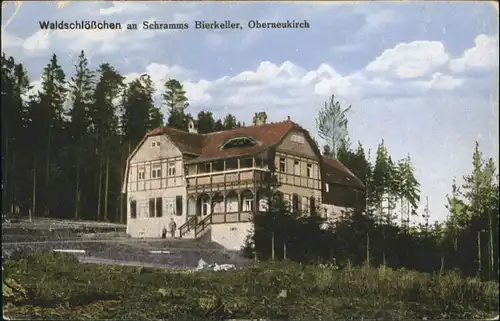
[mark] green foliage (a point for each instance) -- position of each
(64, 147)
(332, 124)
(56, 286)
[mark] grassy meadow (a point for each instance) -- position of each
(56, 286)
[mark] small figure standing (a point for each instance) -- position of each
(172, 226)
(164, 233)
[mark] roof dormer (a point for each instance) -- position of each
(239, 142)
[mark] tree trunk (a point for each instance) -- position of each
(5, 176)
(47, 174)
(492, 246)
(106, 188)
(272, 246)
(77, 185)
(479, 253)
(12, 196)
(99, 192)
(367, 249)
(122, 175)
(33, 206)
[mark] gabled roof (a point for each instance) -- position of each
(335, 172)
(208, 146)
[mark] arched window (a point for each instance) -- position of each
(239, 142)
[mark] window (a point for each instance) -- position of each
(158, 143)
(282, 165)
(297, 139)
(246, 163)
(204, 208)
(153, 143)
(309, 170)
(327, 187)
(156, 171)
(151, 207)
(248, 203)
(133, 209)
(288, 201)
(312, 206)
(295, 203)
(218, 166)
(171, 169)
(159, 207)
(238, 142)
(178, 205)
(304, 204)
(208, 168)
(296, 168)
(141, 174)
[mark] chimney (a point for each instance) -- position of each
(191, 128)
(261, 118)
(288, 118)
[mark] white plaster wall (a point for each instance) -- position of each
(145, 226)
(231, 235)
(333, 212)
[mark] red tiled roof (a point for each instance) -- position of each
(208, 146)
(336, 172)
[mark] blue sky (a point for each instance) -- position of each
(423, 76)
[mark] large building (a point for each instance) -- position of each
(209, 183)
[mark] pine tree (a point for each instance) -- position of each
(46, 115)
(176, 102)
(381, 181)
(332, 124)
(409, 190)
(136, 109)
(206, 122)
(230, 122)
(81, 94)
(175, 96)
(105, 129)
(15, 84)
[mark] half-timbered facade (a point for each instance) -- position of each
(209, 183)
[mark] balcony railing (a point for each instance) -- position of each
(234, 176)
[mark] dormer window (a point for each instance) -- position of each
(239, 142)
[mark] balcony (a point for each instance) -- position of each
(235, 173)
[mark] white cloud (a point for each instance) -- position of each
(347, 48)
(376, 22)
(10, 41)
(410, 60)
(99, 41)
(441, 81)
(39, 41)
(483, 55)
(159, 73)
(123, 8)
(288, 85)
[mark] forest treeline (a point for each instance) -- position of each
(384, 233)
(64, 147)
(64, 150)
